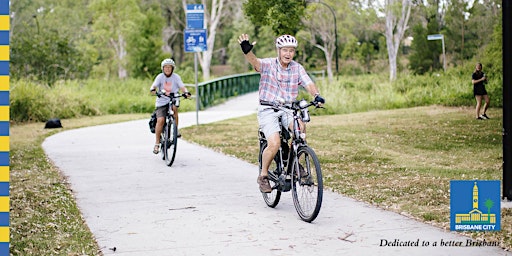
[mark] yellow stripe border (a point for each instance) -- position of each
(5, 22)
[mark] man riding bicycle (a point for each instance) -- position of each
(280, 81)
(171, 83)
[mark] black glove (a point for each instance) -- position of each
(246, 46)
(159, 94)
(319, 99)
(187, 95)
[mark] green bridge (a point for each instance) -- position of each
(214, 91)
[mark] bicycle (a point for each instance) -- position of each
(295, 166)
(169, 135)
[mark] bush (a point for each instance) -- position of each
(346, 94)
(35, 102)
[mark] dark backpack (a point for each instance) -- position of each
(152, 122)
(53, 123)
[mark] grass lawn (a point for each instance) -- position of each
(400, 160)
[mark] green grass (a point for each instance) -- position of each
(44, 218)
(400, 160)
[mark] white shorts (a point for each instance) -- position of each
(268, 120)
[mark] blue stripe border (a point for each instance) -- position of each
(4, 128)
(4, 37)
(4, 248)
(4, 189)
(4, 219)
(4, 98)
(4, 7)
(4, 158)
(4, 68)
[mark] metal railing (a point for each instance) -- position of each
(215, 91)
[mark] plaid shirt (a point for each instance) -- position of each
(277, 81)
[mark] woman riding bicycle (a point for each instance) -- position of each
(171, 83)
(280, 80)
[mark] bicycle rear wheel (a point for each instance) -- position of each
(170, 142)
(307, 185)
(272, 198)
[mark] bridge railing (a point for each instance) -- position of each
(213, 91)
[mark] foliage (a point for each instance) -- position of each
(34, 102)
(426, 55)
(492, 53)
(42, 49)
(78, 39)
(283, 16)
(115, 32)
(46, 58)
(148, 49)
(468, 28)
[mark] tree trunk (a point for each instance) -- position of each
(328, 59)
(120, 49)
(395, 30)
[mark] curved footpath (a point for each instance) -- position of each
(209, 204)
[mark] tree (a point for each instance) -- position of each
(45, 40)
(456, 30)
(283, 16)
(397, 17)
(148, 51)
(322, 33)
(115, 22)
(489, 204)
(426, 54)
(369, 39)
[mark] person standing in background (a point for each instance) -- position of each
(479, 80)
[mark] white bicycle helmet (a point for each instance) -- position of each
(168, 62)
(286, 41)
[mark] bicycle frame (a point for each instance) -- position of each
(300, 172)
(169, 135)
(284, 168)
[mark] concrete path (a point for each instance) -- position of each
(209, 204)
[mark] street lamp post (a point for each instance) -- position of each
(335, 31)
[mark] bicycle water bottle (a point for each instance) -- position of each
(304, 110)
(177, 99)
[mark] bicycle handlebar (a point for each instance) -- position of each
(296, 105)
(172, 95)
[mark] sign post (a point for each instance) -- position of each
(439, 37)
(195, 40)
(507, 113)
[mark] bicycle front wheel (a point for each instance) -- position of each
(170, 143)
(307, 185)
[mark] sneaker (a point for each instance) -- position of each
(264, 184)
(156, 149)
(305, 178)
(485, 116)
(480, 118)
(303, 173)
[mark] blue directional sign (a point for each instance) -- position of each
(195, 40)
(195, 16)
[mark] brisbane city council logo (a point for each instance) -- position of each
(475, 205)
